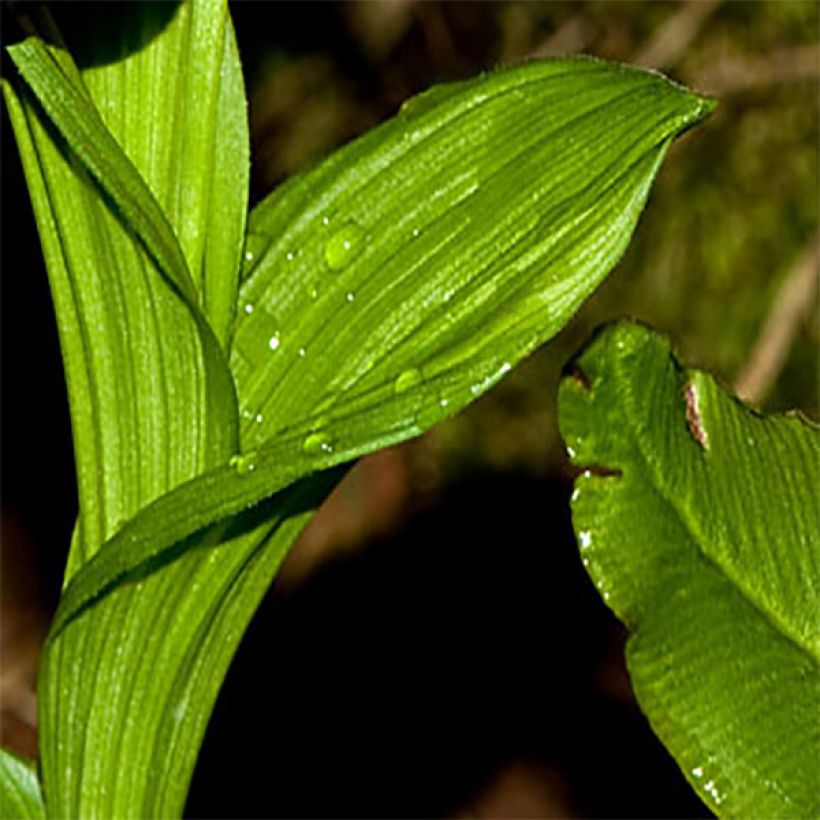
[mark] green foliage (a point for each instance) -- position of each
(19, 789)
(697, 519)
(380, 293)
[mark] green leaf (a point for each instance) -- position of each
(193, 149)
(20, 797)
(149, 408)
(152, 404)
(431, 255)
(528, 201)
(697, 519)
(434, 341)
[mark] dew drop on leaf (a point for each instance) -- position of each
(344, 246)
(407, 379)
(317, 443)
(242, 465)
(274, 341)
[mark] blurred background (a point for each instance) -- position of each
(432, 646)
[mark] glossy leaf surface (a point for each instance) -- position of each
(699, 522)
(425, 260)
(436, 337)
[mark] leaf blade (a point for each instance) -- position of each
(705, 544)
(20, 797)
(476, 206)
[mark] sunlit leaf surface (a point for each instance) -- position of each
(382, 292)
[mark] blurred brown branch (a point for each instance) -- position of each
(741, 73)
(670, 41)
(790, 308)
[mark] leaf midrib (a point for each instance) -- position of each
(690, 524)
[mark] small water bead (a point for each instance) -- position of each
(325, 221)
(242, 465)
(697, 772)
(344, 246)
(258, 418)
(302, 352)
(313, 292)
(416, 233)
(317, 443)
(443, 402)
(274, 342)
(248, 309)
(585, 539)
(249, 256)
(290, 256)
(350, 296)
(406, 380)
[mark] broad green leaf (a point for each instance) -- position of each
(699, 522)
(132, 669)
(174, 100)
(436, 318)
(20, 797)
(149, 408)
(152, 404)
(430, 256)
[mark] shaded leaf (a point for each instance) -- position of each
(700, 530)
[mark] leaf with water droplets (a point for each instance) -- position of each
(699, 522)
(470, 228)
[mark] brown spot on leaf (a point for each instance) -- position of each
(693, 418)
(578, 376)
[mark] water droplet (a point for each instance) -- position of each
(585, 539)
(325, 221)
(274, 341)
(258, 418)
(256, 244)
(290, 256)
(570, 451)
(443, 402)
(302, 352)
(350, 296)
(344, 246)
(317, 443)
(416, 233)
(313, 292)
(406, 380)
(505, 368)
(697, 771)
(248, 308)
(242, 465)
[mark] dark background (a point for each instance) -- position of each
(433, 646)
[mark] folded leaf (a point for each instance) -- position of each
(697, 519)
(433, 325)
(20, 797)
(172, 95)
(149, 408)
